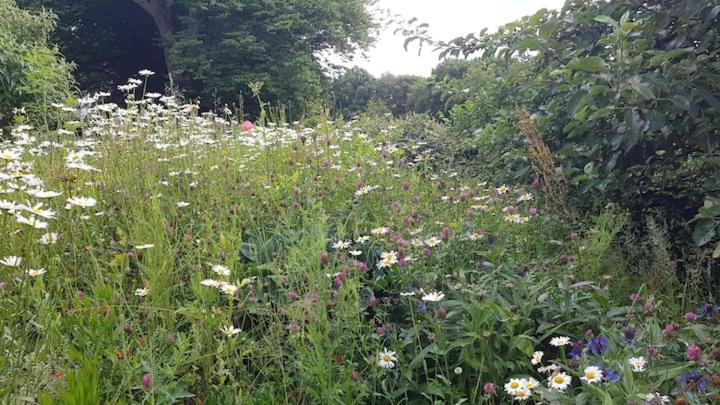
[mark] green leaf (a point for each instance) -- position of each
(420, 357)
(576, 101)
(716, 253)
(528, 44)
(591, 64)
(606, 398)
(642, 87)
(704, 231)
(607, 20)
(667, 372)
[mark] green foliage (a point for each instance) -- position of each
(280, 264)
(355, 90)
(33, 74)
(707, 223)
(213, 49)
(624, 93)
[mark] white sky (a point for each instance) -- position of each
(448, 19)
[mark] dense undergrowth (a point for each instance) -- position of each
(154, 254)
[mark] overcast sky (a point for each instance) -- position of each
(448, 19)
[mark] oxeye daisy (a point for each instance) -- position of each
(592, 375)
(227, 288)
(362, 239)
(355, 252)
(530, 384)
(387, 359)
(638, 363)
(433, 296)
(536, 358)
(49, 238)
(32, 221)
(514, 385)
(210, 283)
(141, 292)
(35, 272)
(11, 261)
(522, 394)
(559, 381)
(221, 270)
(341, 244)
(144, 246)
(548, 369)
(387, 259)
(229, 330)
(559, 341)
(433, 242)
(182, 204)
(656, 399)
(82, 202)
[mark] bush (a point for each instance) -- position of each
(33, 74)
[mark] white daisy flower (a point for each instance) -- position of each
(638, 364)
(559, 381)
(433, 296)
(229, 330)
(35, 272)
(559, 341)
(592, 375)
(11, 261)
(387, 359)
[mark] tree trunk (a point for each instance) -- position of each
(160, 13)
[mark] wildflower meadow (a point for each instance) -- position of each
(212, 202)
(172, 256)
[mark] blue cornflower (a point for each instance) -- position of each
(611, 375)
(693, 381)
(598, 345)
(422, 307)
(577, 350)
(706, 310)
(629, 336)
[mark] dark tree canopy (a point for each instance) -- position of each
(212, 49)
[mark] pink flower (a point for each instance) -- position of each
(247, 126)
(490, 389)
(690, 316)
(694, 353)
(147, 381)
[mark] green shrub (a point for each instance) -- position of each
(33, 74)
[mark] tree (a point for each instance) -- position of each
(159, 11)
(626, 94)
(356, 89)
(214, 48)
(33, 74)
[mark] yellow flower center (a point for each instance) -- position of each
(387, 358)
(515, 384)
(590, 375)
(521, 394)
(559, 379)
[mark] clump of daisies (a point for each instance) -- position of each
(521, 389)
